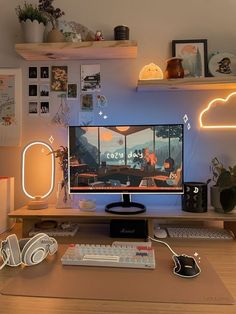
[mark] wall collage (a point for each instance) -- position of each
(44, 80)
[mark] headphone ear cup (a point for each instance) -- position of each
(11, 245)
(35, 250)
(53, 247)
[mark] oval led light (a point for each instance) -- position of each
(52, 167)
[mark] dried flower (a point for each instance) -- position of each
(47, 8)
(62, 154)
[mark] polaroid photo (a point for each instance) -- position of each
(44, 108)
(44, 90)
(59, 76)
(33, 90)
(90, 78)
(33, 109)
(44, 73)
(86, 102)
(72, 91)
(33, 73)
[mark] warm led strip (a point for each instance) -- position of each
(224, 100)
(23, 168)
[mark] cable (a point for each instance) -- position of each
(159, 241)
(7, 259)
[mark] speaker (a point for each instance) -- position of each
(125, 228)
(194, 198)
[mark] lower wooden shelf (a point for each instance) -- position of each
(162, 213)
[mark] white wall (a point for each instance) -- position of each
(153, 23)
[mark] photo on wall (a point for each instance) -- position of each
(193, 53)
(86, 102)
(44, 90)
(59, 76)
(44, 108)
(72, 91)
(33, 108)
(90, 78)
(33, 90)
(33, 73)
(44, 73)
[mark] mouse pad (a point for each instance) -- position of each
(51, 279)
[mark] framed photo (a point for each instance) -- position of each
(72, 91)
(194, 55)
(33, 90)
(33, 73)
(33, 108)
(44, 108)
(44, 73)
(90, 78)
(44, 90)
(86, 103)
(59, 75)
(10, 107)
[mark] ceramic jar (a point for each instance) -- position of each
(174, 68)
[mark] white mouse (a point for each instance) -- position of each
(160, 233)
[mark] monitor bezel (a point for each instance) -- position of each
(126, 191)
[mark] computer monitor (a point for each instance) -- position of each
(126, 159)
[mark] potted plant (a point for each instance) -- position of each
(52, 14)
(223, 192)
(32, 22)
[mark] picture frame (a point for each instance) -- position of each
(72, 91)
(59, 76)
(193, 53)
(10, 106)
(90, 78)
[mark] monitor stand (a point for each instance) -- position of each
(126, 207)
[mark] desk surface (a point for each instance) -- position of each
(221, 254)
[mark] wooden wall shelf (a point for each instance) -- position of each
(205, 83)
(117, 49)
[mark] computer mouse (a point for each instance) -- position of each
(160, 233)
(186, 266)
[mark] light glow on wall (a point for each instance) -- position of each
(52, 167)
(211, 103)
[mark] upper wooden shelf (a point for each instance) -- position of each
(117, 49)
(204, 83)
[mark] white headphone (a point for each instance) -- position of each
(30, 251)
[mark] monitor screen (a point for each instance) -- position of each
(126, 159)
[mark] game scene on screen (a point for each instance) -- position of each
(125, 158)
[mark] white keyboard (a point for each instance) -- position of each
(116, 255)
(199, 233)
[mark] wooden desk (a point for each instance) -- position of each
(221, 254)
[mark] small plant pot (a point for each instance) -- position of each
(225, 196)
(33, 31)
(55, 36)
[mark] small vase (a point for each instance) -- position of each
(64, 199)
(33, 31)
(55, 36)
(174, 68)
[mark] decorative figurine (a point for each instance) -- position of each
(98, 36)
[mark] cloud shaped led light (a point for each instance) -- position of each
(219, 109)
